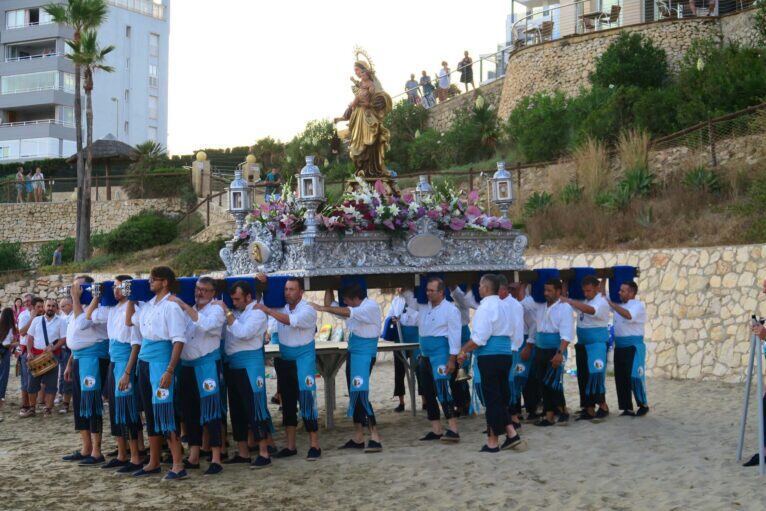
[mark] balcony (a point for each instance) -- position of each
(145, 7)
(37, 122)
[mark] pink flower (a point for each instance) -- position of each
(379, 187)
(389, 224)
(408, 198)
(473, 197)
(472, 212)
(506, 224)
(457, 224)
(434, 214)
(412, 226)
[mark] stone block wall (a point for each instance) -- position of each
(440, 116)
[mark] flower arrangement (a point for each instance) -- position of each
(283, 215)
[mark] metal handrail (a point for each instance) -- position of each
(33, 57)
(146, 7)
(38, 89)
(30, 24)
(39, 121)
(526, 19)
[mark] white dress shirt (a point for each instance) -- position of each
(633, 326)
(364, 320)
(600, 319)
(24, 319)
(8, 337)
(558, 318)
(56, 328)
(246, 333)
(441, 321)
(399, 309)
(518, 322)
(81, 333)
(302, 327)
(530, 323)
(161, 320)
(464, 301)
(494, 317)
(114, 319)
(204, 335)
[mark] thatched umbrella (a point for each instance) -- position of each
(108, 150)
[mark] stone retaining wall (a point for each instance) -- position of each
(440, 116)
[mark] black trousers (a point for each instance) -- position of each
(461, 393)
(553, 400)
(95, 423)
(623, 366)
(429, 392)
(242, 408)
(497, 394)
(360, 414)
(132, 429)
(532, 393)
(583, 373)
(400, 372)
(287, 383)
(190, 411)
(145, 392)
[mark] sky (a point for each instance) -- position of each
(241, 70)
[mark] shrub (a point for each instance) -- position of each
(702, 179)
(537, 203)
(316, 138)
(633, 149)
(45, 255)
(473, 135)
(11, 257)
(197, 258)
(618, 199)
(592, 163)
(538, 127)
(144, 230)
(656, 110)
(632, 60)
(339, 170)
(428, 151)
(638, 181)
(404, 121)
(570, 194)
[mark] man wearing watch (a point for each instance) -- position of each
(555, 327)
(162, 326)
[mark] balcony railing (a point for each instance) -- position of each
(35, 123)
(34, 57)
(30, 24)
(37, 89)
(146, 7)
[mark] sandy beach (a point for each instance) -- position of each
(681, 456)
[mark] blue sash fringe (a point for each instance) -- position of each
(437, 351)
(594, 340)
(361, 352)
(206, 374)
(638, 374)
(88, 361)
(252, 361)
(477, 398)
(157, 354)
(125, 402)
(465, 334)
(305, 359)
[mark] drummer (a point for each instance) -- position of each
(46, 334)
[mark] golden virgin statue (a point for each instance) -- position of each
(367, 137)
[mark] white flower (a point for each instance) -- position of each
(394, 209)
(381, 211)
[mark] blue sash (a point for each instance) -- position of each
(252, 361)
(638, 371)
(594, 340)
(361, 352)
(437, 351)
(554, 376)
(628, 341)
(125, 404)
(89, 368)
(206, 374)
(157, 354)
(274, 341)
(496, 345)
(477, 398)
(410, 334)
(305, 360)
(465, 334)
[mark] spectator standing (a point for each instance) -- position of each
(18, 307)
(8, 335)
(20, 185)
(411, 88)
(466, 71)
(271, 190)
(38, 184)
(28, 187)
(57, 255)
(428, 90)
(444, 81)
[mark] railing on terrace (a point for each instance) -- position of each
(30, 24)
(38, 89)
(146, 7)
(39, 121)
(34, 57)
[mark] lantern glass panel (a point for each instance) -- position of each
(308, 188)
(503, 190)
(236, 201)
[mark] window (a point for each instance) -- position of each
(153, 79)
(69, 82)
(16, 19)
(30, 82)
(153, 107)
(67, 115)
(5, 152)
(154, 45)
(45, 18)
(127, 31)
(151, 133)
(126, 128)
(33, 147)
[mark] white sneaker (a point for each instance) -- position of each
(58, 399)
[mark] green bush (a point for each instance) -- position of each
(537, 203)
(11, 257)
(339, 171)
(570, 194)
(702, 179)
(538, 127)
(618, 199)
(197, 258)
(404, 120)
(473, 135)
(428, 151)
(45, 256)
(639, 182)
(315, 139)
(632, 60)
(144, 230)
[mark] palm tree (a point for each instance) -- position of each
(80, 15)
(87, 54)
(150, 156)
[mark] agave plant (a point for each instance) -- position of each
(702, 179)
(639, 181)
(571, 193)
(537, 203)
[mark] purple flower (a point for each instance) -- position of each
(473, 197)
(457, 224)
(408, 198)
(389, 224)
(434, 214)
(379, 187)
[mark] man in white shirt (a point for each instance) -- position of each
(442, 92)
(525, 377)
(554, 333)
(363, 323)
(591, 349)
(124, 345)
(517, 340)
(64, 386)
(401, 318)
(492, 337)
(200, 367)
(32, 307)
(461, 392)
(47, 333)
(246, 376)
(162, 325)
(630, 350)
(297, 370)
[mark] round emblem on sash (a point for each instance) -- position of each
(209, 385)
(162, 394)
(519, 368)
(357, 381)
(598, 363)
(259, 382)
(309, 381)
(89, 382)
(640, 370)
(442, 370)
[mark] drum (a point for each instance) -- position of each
(42, 364)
